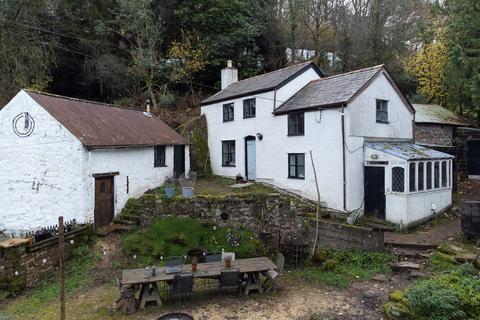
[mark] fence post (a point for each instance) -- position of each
(61, 253)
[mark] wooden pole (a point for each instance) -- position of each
(318, 204)
(61, 253)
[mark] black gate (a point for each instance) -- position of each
(178, 160)
(375, 191)
(473, 158)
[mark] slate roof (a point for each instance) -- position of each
(408, 151)
(261, 83)
(99, 125)
(329, 91)
(433, 113)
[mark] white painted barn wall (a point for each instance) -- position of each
(40, 175)
(360, 117)
(135, 163)
(49, 173)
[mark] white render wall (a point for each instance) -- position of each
(322, 136)
(40, 175)
(360, 117)
(49, 173)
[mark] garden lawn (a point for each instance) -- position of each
(339, 267)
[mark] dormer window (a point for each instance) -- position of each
(249, 108)
(382, 111)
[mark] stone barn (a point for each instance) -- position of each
(441, 129)
(80, 159)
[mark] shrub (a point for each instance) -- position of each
(452, 295)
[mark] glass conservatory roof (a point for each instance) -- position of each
(408, 151)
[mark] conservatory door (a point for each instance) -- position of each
(374, 187)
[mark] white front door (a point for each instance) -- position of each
(251, 162)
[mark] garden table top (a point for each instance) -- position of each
(204, 270)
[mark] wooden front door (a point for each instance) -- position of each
(374, 189)
(103, 214)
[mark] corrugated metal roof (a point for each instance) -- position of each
(99, 125)
(261, 83)
(433, 113)
(408, 151)
(329, 91)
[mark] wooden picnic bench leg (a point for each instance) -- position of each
(253, 283)
(147, 295)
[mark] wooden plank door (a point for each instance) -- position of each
(473, 158)
(103, 201)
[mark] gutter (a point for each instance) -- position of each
(344, 161)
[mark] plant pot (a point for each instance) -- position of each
(170, 192)
(187, 192)
(228, 264)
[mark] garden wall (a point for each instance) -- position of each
(278, 217)
(23, 264)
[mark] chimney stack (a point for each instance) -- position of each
(229, 75)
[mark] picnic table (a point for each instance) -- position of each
(149, 290)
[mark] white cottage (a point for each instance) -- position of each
(265, 127)
(80, 159)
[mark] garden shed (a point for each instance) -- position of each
(406, 183)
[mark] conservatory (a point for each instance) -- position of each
(405, 183)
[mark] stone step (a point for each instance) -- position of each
(112, 228)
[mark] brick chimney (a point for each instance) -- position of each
(229, 75)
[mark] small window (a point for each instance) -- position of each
(159, 152)
(444, 174)
(420, 176)
(429, 175)
(249, 108)
(382, 111)
(228, 153)
(412, 177)
(296, 124)
(436, 175)
(398, 179)
(228, 111)
(296, 165)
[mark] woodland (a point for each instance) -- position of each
(123, 51)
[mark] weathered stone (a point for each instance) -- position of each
(450, 248)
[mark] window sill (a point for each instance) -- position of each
(296, 135)
(160, 166)
(383, 122)
(248, 117)
(228, 120)
(228, 165)
(296, 178)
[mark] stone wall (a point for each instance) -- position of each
(462, 136)
(23, 265)
(434, 134)
(281, 217)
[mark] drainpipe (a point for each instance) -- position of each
(344, 161)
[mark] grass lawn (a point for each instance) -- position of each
(339, 267)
